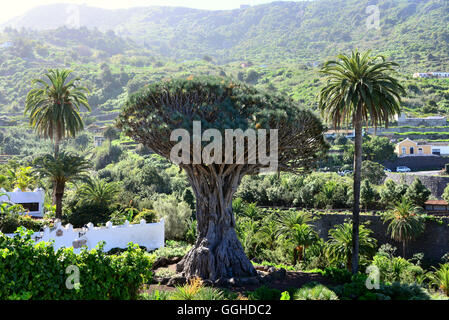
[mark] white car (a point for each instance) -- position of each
(345, 172)
(403, 169)
(387, 170)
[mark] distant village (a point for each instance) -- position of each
(431, 75)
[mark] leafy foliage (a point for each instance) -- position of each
(405, 222)
(32, 268)
(340, 243)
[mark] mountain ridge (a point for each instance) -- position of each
(277, 46)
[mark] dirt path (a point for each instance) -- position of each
(293, 279)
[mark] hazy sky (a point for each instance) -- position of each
(10, 9)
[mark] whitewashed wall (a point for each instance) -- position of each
(148, 235)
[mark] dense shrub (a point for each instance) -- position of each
(11, 219)
(84, 213)
(106, 155)
(37, 271)
(357, 290)
(391, 192)
(373, 172)
(9, 224)
(417, 193)
(147, 214)
(337, 275)
(176, 215)
(397, 269)
(264, 293)
(440, 278)
(195, 290)
(315, 291)
(173, 249)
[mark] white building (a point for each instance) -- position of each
(421, 75)
(440, 74)
(431, 75)
(33, 202)
(440, 150)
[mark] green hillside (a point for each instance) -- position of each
(283, 43)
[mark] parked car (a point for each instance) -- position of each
(344, 172)
(387, 170)
(403, 169)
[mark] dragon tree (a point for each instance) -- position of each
(224, 108)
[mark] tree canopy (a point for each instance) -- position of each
(153, 113)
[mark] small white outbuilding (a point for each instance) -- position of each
(32, 201)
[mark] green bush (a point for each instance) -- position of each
(404, 291)
(36, 271)
(173, 249)
(357, 290)
(84, 213)
(314, 291)
(147, 214)
(10, 223)
(264, 293)
(337, 275)
(176, 215)
(397, 269)
(107, 154)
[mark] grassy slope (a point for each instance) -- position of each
(286, 41)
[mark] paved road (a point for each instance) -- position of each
(425, 173)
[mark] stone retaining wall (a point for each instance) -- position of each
(434, 243)
(435, 184)
(418, 163)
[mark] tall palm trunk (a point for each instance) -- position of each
(58, 139)
(403, 249)
(298, 254)
(58, 194)
(56, 147)
(357, 180)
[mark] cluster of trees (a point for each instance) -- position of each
(289, 237)
(322, 190)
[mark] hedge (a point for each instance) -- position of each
(30, 270)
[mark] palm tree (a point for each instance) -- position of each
(440, 278)
(60, 170)
(268, 232)
(22, 178)
(359, 89)
(405, 222)
(340, 242)
(54, 106)
(288, 220)
(303, 236)
(98, 192)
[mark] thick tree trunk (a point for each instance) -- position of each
(357, 181)
(217, 253)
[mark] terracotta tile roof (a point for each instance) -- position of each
(437, 202)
